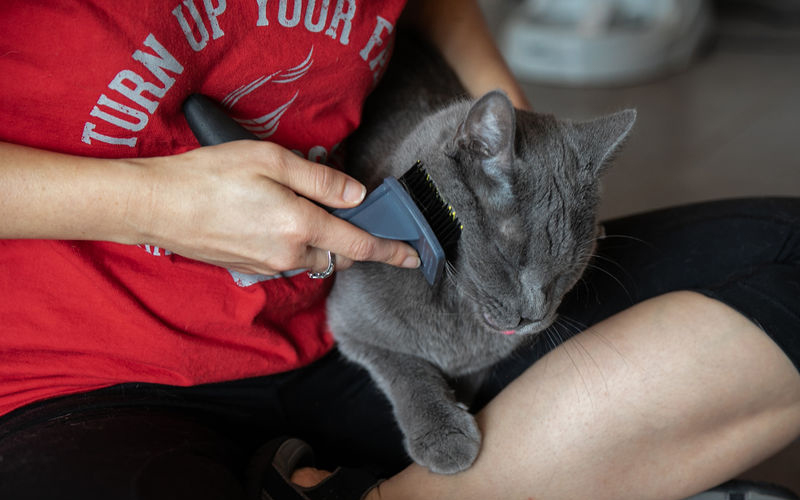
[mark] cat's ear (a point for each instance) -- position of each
(487, 133)
(595, 141)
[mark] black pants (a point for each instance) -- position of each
(149, 441)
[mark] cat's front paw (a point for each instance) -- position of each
(448, 441)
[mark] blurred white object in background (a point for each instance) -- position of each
(602, 42)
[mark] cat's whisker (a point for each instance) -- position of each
(553, 336)
(586, 354)
(579, 326)
(587, 330)
(450, 270)
(611, 261)
(625, 236)
(604, 340)
(583, 281)
(468, 293)
(611, 275)
(565, 347)
(451, 274)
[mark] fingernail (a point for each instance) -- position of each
(411, 262)
(354, 192)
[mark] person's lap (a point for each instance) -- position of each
(148, 441)
(198, 440)
(614, 413)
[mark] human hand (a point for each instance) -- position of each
(246, 206)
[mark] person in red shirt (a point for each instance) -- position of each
(158, 253)
(154, 336)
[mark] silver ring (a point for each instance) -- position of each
(328, 271)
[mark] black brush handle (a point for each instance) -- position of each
(210, 123)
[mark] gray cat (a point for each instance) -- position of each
(525, 187)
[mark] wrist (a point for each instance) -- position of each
(134, 213)
(151, 205)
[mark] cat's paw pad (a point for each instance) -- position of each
(449, 444)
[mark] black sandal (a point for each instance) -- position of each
(746, 490)
(271, 469)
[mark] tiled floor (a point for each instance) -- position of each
(727, 126)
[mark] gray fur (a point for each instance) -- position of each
(524, 186)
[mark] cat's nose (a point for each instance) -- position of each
(537, 298)
(530, 325)
(525, 322)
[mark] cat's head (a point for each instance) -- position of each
(525, 187)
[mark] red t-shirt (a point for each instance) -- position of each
(107, 79)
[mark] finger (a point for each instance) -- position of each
(317, 182)
(343, 262)
(352, 243)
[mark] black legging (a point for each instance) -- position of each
(149, 441)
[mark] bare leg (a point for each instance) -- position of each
(663, 400)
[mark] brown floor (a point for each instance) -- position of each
(727, 126)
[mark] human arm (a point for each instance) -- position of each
(233, 205)
(458, 29)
